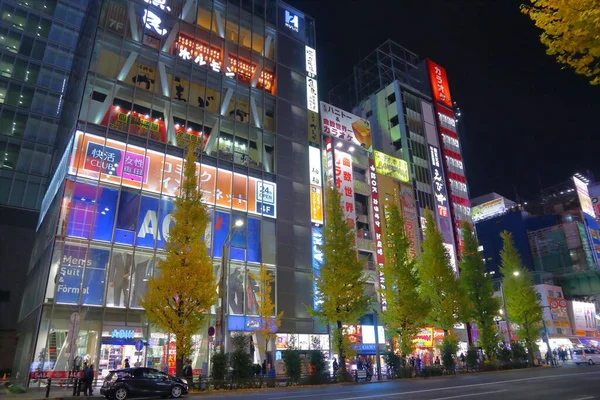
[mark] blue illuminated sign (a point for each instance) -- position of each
(316, 234)
(291, 21)
(123, 334)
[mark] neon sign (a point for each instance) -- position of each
(123, 334)
(377, 229)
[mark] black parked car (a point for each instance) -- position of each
(142, 382)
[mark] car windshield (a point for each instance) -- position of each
(591, 351)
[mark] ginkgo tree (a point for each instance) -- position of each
(268, 321)
(181, 293)
(571, 32)
(340, 284)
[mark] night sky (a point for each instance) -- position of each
(525, 118)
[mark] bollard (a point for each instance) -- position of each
(75, 386)
(48, 383)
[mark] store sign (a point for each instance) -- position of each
(345, 126)
(81, 275)
(380, 257)
(312, 95)
(584, 316)
(440, 196)
(112, 161)
(329, 160)
(584, 197)
(135, 123)
(122, 334)
(344, 183)
(314, 133)
(488, 210)
(314, 159)
(291, 21)
(185, 137)
(424, 338)
(316, 234)
(316, 204)
(311, 62)
(204, 55)
(411, 219)
(391, 166)
(439, 83)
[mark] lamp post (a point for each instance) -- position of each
(515, 273)
(221, 330)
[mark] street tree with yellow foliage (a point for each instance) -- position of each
(268, 321)
(571, 32)
(179, 297)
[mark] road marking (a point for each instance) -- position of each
(432, 390)
(460, 396)
(585, 398)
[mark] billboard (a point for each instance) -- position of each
(378, 237)
(411, 219)
(584, 197)
(440, 195)
(345, 184)
(115, 162)
(488, 209)
(345, 126)
(439, 83)
(391, 166)
(584, 317)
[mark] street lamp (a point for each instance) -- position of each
(545, 336)
(221, 341)
(516, 273)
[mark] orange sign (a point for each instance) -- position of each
(139, 124)
(439, 83)
(316, 204)
(115, 162)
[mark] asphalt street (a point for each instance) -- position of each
(569, 382)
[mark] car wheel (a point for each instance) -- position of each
(121, 393)
(591, 362)
(176, 391)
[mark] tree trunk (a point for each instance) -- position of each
(341, 351)
(179, 365)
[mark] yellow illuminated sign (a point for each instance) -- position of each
(391, 166)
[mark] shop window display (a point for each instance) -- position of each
(142, 271)
(119, 278)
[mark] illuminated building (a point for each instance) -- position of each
(238, 80)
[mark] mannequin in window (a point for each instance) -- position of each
(121, 271)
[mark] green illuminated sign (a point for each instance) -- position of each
(391, 166)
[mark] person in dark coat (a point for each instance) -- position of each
(87, 379)
(127, 363)
(264, 367)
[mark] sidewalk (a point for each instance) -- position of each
(55, 393)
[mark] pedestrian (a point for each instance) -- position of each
(335, 367)
(264, 367)
(411, 361)
(538, 356)
(419, 363)
(188, 373)
(91, 383)
(437, 360)
(462, 360)
(547, 358)
(127, 363)
(87, 379)
(84, 376)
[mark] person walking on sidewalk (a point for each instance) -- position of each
(88, 378)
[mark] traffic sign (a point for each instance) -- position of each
(139, 345)
(211, 331)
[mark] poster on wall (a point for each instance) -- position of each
(584, 317)
(345, 126)
(112, 161)
(80, 264)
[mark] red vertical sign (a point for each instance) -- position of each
(377, 228)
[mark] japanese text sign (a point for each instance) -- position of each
(391, 166)
(345, 184)
(115, 162)
(439, 83)
(440, 195)
(345, 126)
(311, 62)
(377, 212)
(312, 94)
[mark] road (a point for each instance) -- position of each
(566, 383)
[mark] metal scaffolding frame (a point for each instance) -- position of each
(387, 63)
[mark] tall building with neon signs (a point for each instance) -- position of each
(238, 80)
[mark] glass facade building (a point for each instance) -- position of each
(231, 78)
(38, 46)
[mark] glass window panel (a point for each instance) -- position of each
(127, 217)
(235, 294)
(143, 266)
(119, 278)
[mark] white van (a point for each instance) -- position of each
(583, 356)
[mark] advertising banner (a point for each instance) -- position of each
(584, 317)
(380, 257)
(312, 95)
(439, 83)
(345, 126)
(113, 162)
(488, 209)
(584, 197)
(314, 133)
(81, 264)
(391, 166)
(314, 160)
(139, 124)
(440, 196)
(344, 183)
(411, 219)
(316, 205)
(316, 234)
